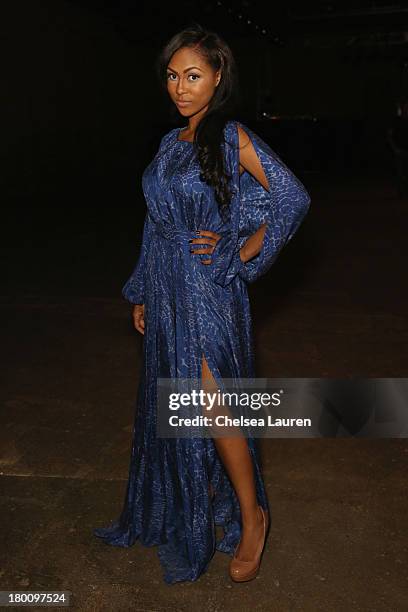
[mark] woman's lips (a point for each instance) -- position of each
(181, 103)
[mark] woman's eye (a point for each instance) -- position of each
(170, 75)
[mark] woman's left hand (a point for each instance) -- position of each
(205, 237)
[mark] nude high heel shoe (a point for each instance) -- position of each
(242, 571)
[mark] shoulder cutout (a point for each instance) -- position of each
(248, 158)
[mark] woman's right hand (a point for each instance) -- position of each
(138, 317)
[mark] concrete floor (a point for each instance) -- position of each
(334, 305)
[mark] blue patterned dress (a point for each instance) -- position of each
(193, 309)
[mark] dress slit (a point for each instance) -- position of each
(195, 315)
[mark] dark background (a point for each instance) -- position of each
(82, 115)
(81, 109)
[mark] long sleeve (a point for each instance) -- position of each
(283, 208)
(134, 289)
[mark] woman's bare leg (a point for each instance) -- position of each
(235, 456)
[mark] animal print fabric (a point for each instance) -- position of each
(193, 309)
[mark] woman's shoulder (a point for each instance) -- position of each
(244, 131)
(231, 132)
(237, 134)
(166, 142)
(234, 124)
(168, 136)
(237, 128)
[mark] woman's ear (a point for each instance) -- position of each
(218, 78)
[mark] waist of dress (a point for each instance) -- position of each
(174, 232)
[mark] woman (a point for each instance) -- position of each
(220, 207)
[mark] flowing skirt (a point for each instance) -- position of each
(167, 502)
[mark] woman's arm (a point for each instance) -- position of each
(272, 204)
(249, 161)
(134, 289)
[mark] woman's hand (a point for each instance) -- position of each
(210, 237)
(253, 245)
(138, 317)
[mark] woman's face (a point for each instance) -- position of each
(191, 81)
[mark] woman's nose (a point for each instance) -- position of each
(181, 87)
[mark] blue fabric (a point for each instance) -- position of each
(193, 309)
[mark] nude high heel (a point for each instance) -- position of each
(242, 571)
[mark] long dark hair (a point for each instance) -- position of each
(209, 133)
